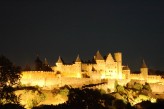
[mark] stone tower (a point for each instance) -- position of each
(78, 66)
(59, 64)
(118, 58)
(126, 72)
(78, 63)
(144, 70)
(99, 61)
(38, 64)
(98, 57)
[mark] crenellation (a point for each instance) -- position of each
(79, 73)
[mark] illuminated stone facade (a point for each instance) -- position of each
(109, 67)
(79, 73)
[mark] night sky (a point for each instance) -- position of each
(71, 27)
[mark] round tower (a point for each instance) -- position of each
(100, 62)
(126, 72)
(118, 56)
(118, 59)
(78, 66)
(144, 70)
(98, 58)
(59, 64)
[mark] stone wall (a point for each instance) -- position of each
(87, 67)
(50, 79)
(158, 88)
(135, 76)
(38, 78)
(153, 79)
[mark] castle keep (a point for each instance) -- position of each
(99, 68)
(79, 73)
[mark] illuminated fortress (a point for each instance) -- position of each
(98, 68)
(79, 73)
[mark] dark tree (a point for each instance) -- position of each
(88, 99)
(11, 106)
(9, 77)
(9, 73)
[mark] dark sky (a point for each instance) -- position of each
(71, 27)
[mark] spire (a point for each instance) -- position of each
(98, 56)
(37, 60)
(45, 61)
(59, 60)
(78, 59)
(144, 64)
(38, 64)
(37, 57)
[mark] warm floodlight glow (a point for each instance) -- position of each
(103, 76)
(109, 68)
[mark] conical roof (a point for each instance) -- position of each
(110, 58)
(144, 64)
(37, 60)
(98, 56)
(59, 60)
(78, 59)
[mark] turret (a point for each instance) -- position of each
(98, 58)
(78, 60)
(144, 70)
(126, 72)
(78, 66)
(59, 62)
(118, 56)
(46, 66)
(118, 59)
(38, 64)
(100, 64)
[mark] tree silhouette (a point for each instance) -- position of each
(9, 73)
(9, 77)
(88, 99)
(11, 106)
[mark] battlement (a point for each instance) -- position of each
(38, 71)
(136, 76)
(79, 73)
